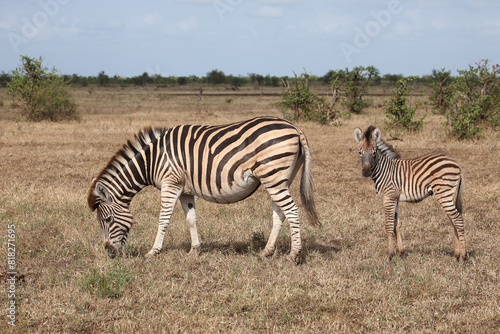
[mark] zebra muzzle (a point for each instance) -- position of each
(367, 169)
(110, 248)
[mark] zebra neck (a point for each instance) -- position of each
(380, 170)
(123, 190)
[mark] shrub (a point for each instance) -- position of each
(4, 79)
(441, 89)
(42, 94)
(216, 77)
(476, 100)
(399, 113)
(303, 103)
(103, 79)
(355, 84)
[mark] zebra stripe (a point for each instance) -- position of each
(411, 180)
(222, 164)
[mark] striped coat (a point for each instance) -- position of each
(222, 164)
(411, 180)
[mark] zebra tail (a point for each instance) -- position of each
(458, 198)
(306, 185)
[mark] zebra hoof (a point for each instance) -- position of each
(266, 253)
(194, 251)
(149, 256)
(296, 259)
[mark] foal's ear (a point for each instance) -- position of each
(377, 135)
(358, 135)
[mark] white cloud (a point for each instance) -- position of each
(442, 22)
(269, 11)
(148, 20)
(402, 29)
(326, 23)
(433, 3)
(188, 25)
(65, 27)
(280, 2)
(152, 19)
(8, 22)
(204, 2)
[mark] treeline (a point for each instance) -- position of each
(470, 102)
(214, 77)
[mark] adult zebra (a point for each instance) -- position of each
(222, 164)
(411, 180)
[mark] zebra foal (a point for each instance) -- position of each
(222, 164)
(411, 180)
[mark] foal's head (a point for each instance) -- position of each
(367, 147)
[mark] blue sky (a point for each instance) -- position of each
(277, 37)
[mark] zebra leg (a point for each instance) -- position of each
(169, 196)
(285, 203)
(397, 230)
(390, 205)
(188, 206)
(278, 218)
(457, 220)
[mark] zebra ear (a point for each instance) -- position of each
(102, 193)
(377, 135)
(358, 135)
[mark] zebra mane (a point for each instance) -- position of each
(369, 133)
(384, 148)
(387, 150)
(123, 156)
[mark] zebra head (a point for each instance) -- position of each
(115, 218)
(367, 148)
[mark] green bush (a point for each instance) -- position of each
(42, 94)
(441, 89)
(399, 113)
(303, 103)
(355, 86)
(476, 101)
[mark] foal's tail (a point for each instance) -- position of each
(306, 183)
(458, 198)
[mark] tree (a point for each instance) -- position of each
(441, 87)
(103, 79)
(304, 104)
(4, 79)
(42, 93)
(215, 77)
(355, 84)
(400, 113)
(182, 81)
(476, 98)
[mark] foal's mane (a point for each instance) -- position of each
(383, 147)
(123, 156)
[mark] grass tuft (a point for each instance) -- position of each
(108, 284)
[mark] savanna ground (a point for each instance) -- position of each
(70, 284)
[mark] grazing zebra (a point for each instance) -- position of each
(222, 164)
(411, 180)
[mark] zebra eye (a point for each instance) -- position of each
(108, 219)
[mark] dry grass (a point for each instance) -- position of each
(71, 286)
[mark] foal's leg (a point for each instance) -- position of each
(397, 230)
(390, 205)
(445, 198)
